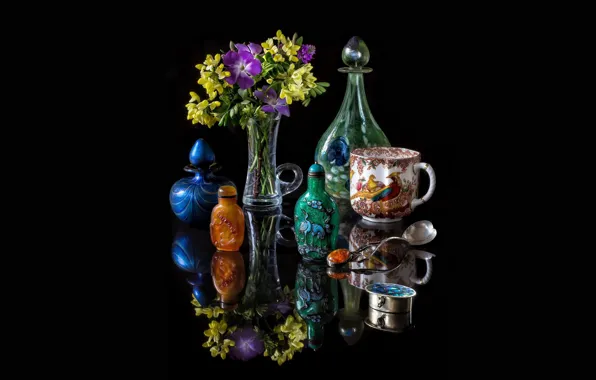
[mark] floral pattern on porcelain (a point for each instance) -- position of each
(386, 182)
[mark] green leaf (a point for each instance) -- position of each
(317, 90)
(323, 84)
(312, 93)
(299, 41)
(322, 89)
(242, 93)
(306, 102)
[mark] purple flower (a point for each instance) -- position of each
(248, 344)
(242, 66)
(306, 53)
(273, 102)
(283, 307)
(254, 49)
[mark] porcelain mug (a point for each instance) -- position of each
(384, 182)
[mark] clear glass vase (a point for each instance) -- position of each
(263, 233)
(353, 127)
(263, 187)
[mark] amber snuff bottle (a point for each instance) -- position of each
(227, 221)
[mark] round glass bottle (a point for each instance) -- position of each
(353, 127)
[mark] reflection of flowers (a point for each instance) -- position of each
(273, 330)
(339, 151)
(248, 345)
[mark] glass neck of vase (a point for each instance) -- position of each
(355, 96)
(316, 183)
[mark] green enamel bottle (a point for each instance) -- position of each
(316, 218)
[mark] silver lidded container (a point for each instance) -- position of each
(389, 307)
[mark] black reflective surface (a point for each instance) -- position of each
(407, 97)
(344, 335)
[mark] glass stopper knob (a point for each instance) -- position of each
(355, 53)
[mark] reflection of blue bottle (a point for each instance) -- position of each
(192, 250)
(193, 198)
(316, 300)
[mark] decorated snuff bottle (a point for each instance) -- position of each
(316, 218)
(227, 221)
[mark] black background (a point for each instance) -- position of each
(413, 95)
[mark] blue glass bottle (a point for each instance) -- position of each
(193, 198)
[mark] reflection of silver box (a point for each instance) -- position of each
(392, 322)
(389, 306)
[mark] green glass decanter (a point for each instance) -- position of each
(353, 127)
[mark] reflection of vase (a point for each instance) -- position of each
(193, 198)
(262, 229)
(353, 127)
(316, 299)
(229, 277)
(263, 186)
(351, 319)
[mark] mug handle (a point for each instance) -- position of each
(288, 187)
(426, 256)
(431, 188)
(288, 223)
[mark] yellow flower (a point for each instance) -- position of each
(280, 37)
(291, 51)
(221, 74)
(269, 47)
(198, 113)
(278, 58)
(211, 62)
(270, 80)
(292, 92)
(211, 84)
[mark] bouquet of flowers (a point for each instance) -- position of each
(273, 330)
(252, 85)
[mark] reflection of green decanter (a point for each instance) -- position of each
(353, 127)
(316, 300)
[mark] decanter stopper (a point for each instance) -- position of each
(355, 55)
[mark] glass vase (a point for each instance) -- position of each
(263, 233)
(353, 127)
(263, 186)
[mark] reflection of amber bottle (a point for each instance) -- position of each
(227, 221)
(229, 277)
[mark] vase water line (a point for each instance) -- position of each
(263, 187)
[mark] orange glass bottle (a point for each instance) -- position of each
(227, 221)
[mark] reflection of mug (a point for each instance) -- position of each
(393, 254)
(384, 182)
(404, 274)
